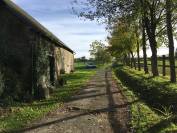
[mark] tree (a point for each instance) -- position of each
(138, 44)
(112, 10)
(144, 47)
(152, 12)
(83, 59)
(170, 40)
(123, 41)
(152, 15)
(99, 52)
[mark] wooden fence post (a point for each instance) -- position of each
(164, 65)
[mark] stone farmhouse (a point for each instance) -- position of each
(31, 57)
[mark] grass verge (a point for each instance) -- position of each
(144, 93)
(22, 113)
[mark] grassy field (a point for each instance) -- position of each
(22, 114)
(151, 101)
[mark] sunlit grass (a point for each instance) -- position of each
(141, 116)
(151, 100)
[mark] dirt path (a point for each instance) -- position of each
(97, 108)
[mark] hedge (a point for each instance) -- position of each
(157, 92)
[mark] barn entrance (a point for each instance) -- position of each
(52, 69)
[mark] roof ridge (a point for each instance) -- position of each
(34, 23)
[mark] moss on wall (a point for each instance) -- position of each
(15, 55)
(44, 50)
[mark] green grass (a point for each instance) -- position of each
(23, 113)
(142, 117)
(164, 92)
(150, 110)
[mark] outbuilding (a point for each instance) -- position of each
(31, 57)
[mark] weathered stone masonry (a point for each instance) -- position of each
(31, 57)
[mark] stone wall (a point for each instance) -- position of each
(44, 51)
(15, 54)
(26, 58)
(58, 62)
(68, 60)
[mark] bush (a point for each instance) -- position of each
(158, 92)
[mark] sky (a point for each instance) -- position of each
(57, 16)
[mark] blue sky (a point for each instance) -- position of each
(57, 16)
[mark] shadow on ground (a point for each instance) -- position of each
(111, 109)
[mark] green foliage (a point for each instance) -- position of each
(43, 52)
(81, 59)
(123, 40)
(99, 53)
(150, 14)
(24, 113)
(166, 112)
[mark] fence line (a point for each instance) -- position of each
(163, 64)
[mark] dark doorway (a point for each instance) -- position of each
(52, 69)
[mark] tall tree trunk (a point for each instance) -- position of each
(151, 28)
(129, 60)
(133, 59)
(154, 59)
(150, 25)
(138, 55)
(144, 48)
(125, 60)
(138, 52)
(170, 40)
